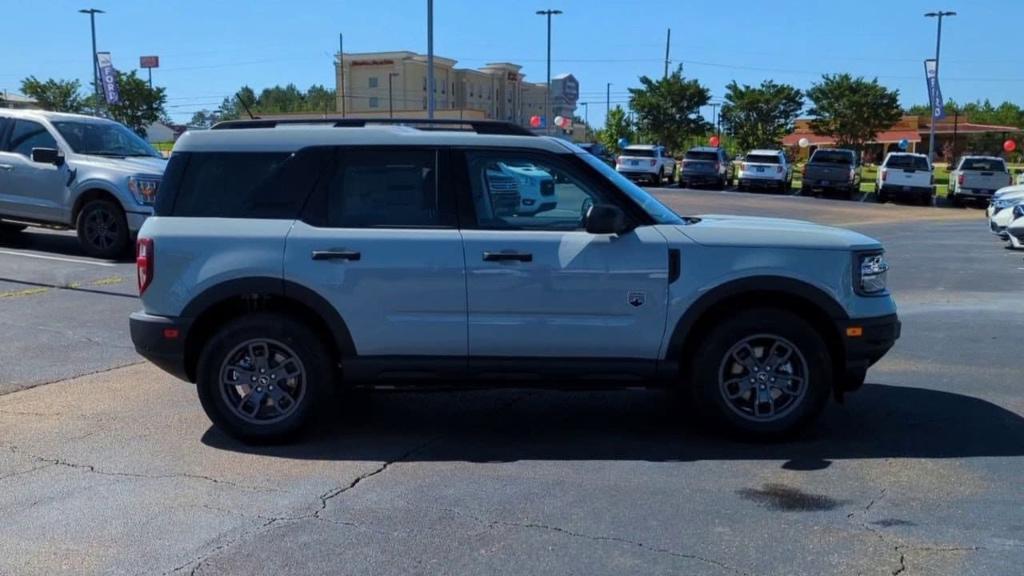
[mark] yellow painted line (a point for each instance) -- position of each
(108, 281)
(23, 293)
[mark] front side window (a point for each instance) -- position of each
(383, 188)
(519, 191)
(27, 135)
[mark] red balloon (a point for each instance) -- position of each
(1009, 145)
(535, 121)
(714, 141)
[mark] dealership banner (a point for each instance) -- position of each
(931, 74)
(108, 77)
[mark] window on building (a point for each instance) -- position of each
(374, 102)
(373, 81)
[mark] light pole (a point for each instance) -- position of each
(547, 93)
(430, 59)
(341, 71)
(938, 45)
(607, 100)
(92, 12)
(391, 101)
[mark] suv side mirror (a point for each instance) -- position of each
(47, 156)
(605, 219)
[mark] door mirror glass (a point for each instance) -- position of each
(605, 219)
(47, 156)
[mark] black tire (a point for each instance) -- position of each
(103, 230)
(805, 191)
(283, 336)
(783, 187)
(955, 201)
(660, 177)
(711, 360)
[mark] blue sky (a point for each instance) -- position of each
(210, 48)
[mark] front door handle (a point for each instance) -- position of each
(336, 255)
(508, 257)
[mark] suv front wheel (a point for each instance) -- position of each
(103, 230)
(763, 373)
(262, 377)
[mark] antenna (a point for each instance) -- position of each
(244, 105)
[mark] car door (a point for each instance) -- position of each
(31, 190)
(540, 285)
(378, 240)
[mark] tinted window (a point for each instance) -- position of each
(907, 162)
(239, 185)
(762, 158)
(384, 188)
(518, 191)
(832, 157)
(702, 155)
(27, 135)
(639, 152)
(983, 164)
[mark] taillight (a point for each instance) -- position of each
(885, 174)
(960, 179)
(144, 263)
(853, 174)
(653, 162)
(778, 169)
(717, 166)
(618, 160)
(743, 166)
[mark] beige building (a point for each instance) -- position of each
(395, 83)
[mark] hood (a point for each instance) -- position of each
(127, 166)
(723, 230)
(1011, 191)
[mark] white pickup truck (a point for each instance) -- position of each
(646, 162)
(977, 178)
(905, 175)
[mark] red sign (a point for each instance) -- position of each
(149, 62)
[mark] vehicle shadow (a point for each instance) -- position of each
(880, 421)
(54, 242)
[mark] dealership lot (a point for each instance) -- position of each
(113, 468)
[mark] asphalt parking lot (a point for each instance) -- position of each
(107, 465)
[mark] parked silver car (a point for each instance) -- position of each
(78, 172)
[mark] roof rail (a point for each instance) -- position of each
(478, 126)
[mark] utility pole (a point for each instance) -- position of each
(547, 93)
(668, 43)
(341, 71)
(586, 118)
(92, 12)
(714, 119)
(938, 45)
(430, 59)
(608, 99)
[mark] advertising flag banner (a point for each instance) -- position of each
(108, 77)
(931, 74)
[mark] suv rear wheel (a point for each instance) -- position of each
(262, 377)
(103, 230)
(763, 373)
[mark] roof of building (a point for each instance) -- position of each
(887, 137)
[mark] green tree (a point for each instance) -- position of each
(55, 95)
(668, 109)
(758, 117)
(852, 110)
(138, 105)
(616, 126)
(204, 119)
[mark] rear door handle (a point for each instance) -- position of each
(336, 255)
(508, 257)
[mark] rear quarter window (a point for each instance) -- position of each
(267, 185)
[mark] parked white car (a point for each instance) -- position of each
(1020, 178)
(977, 178)
(767, 169)
(535, 186)
(646, 162)
(1015, 231)
(1000, 209)
(905, 175)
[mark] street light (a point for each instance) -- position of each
(938, 45)
(92, 12)
(547, 93)
(391, 102)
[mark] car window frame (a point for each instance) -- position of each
(635, 215)
(442, 185)
(5, 122)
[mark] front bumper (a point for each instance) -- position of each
(877, 336)
(161, 340)
(136, 220)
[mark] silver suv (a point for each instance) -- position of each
(80, 172)
(288, 258)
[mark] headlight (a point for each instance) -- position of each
(144, 188)
(870, 273)
(1018, 211)
(1003, 203)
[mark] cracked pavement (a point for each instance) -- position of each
(108, 466)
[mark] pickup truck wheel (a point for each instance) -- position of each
(103, 230)
(762, 373)
(262, 377)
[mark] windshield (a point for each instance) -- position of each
(102, 139)
(661, 213)
(984, 164)
(762, 159)
(907, 162)
(832, 157)
(639, 152)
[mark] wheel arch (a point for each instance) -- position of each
(90, 193)
(813, 304)
(221, 303)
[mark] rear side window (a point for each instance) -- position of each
(700, 155)
(268, 185)
(984, 164)
(385, 188)
(762, 159)
(907, 162)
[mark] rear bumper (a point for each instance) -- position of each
(161, 340)
(760, 182)
(974, 194)
(891, 190)
(843, 186)
(700, 178)
(637, 173)
(878, 335)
